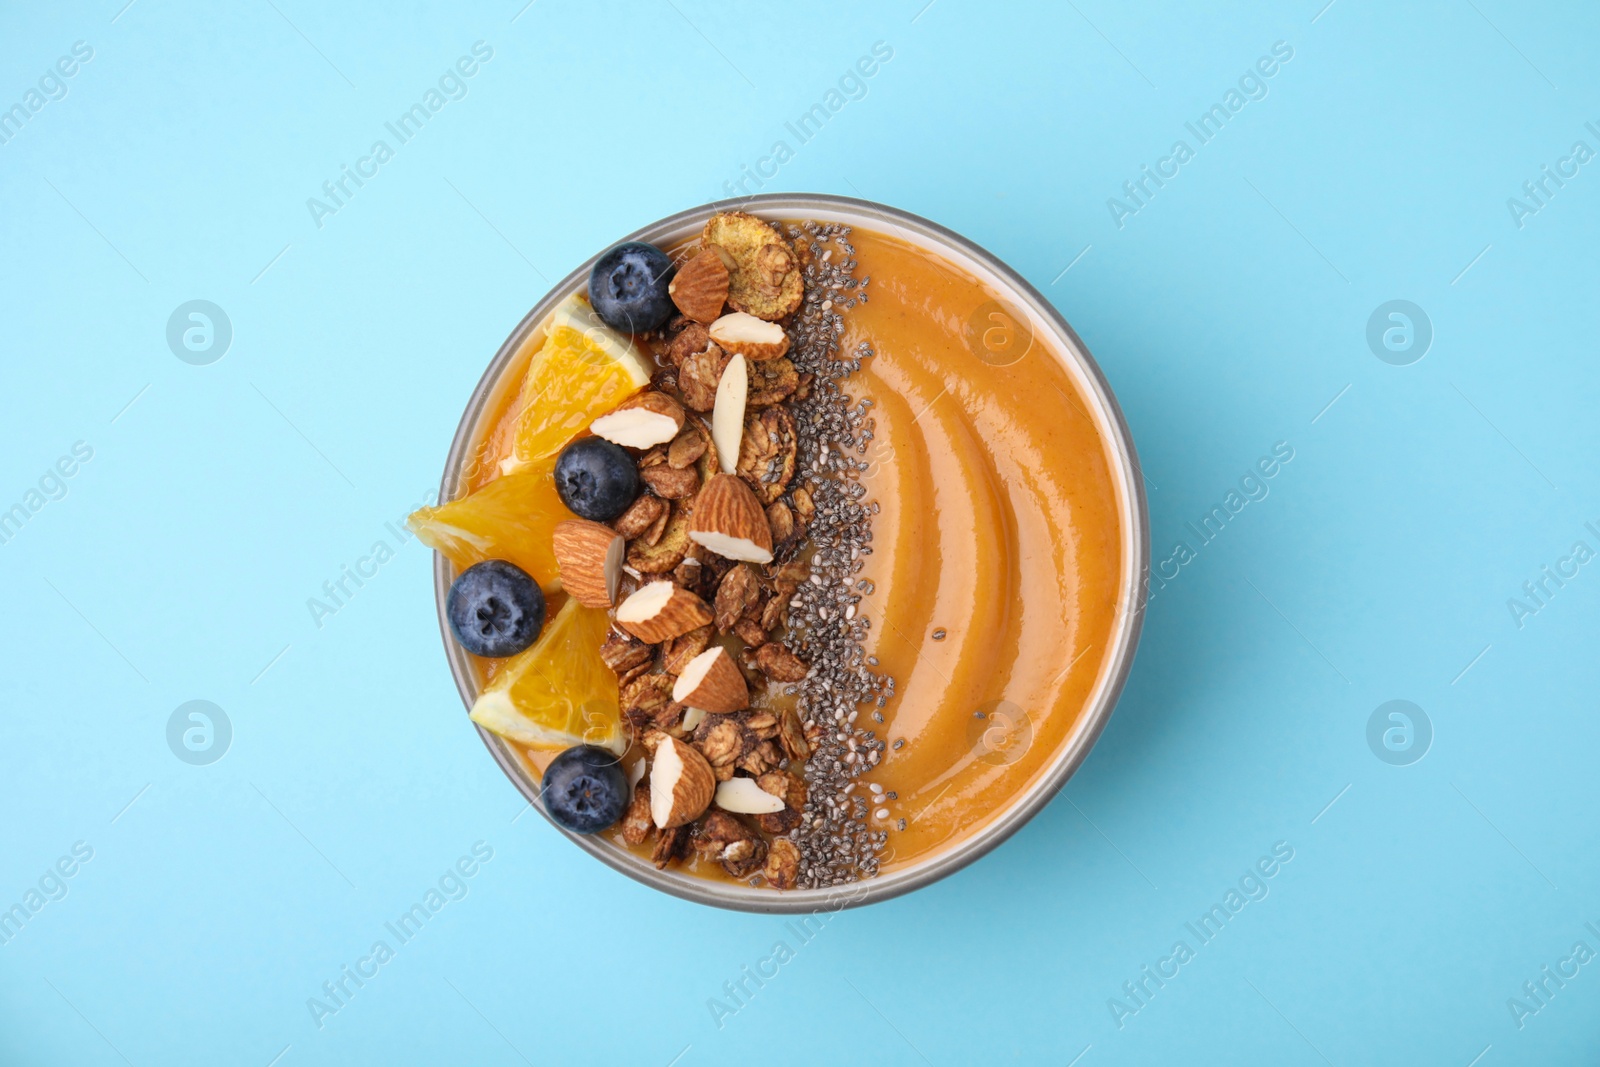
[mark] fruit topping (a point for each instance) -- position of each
(643, 421)
(711, 682)
(559, 693)
(596, 479)
(729, 520)
(681, 783)
(727, 416)
(495, 609)
(765, 278)
(629, 287)
(590, 557)
(749, 336)
(585, 789)
(511, 518)
(584, 369)
(660, 611)
(701, 287)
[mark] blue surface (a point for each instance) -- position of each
(1230, 312)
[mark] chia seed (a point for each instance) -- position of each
(827, 623)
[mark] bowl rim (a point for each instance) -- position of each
(1127, 626)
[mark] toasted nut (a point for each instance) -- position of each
(804, 509)
(775, 614)
(724, 743)
(699, 374)
(779, 664)
(700, 287)
(589, 556)
(782, 869)
(670, 483)
(622, 652)
(642, 421)
(687, 447)
(771, 382)
(760, 282)
(749, 336)
(693, 338)
(658, 529)
(684, 648)
(738, 593)
(744, 796)
(729, 521)
(743, 858)
(781, 519)
(669, 846)
(768, 452)
(661, 611)
(750, 631)
(639, 517)
(666, 551)
(712, 682)
(727, 416)
(636, 822)
(681, 784)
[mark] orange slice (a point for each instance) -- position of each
(512, 518)
(583, 370)
(559, 693)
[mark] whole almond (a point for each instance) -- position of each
(660, 611)
(712, 682)
(700, 287)
(681, 783)
(589, 555)
(729, 520)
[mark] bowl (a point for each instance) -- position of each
(1047, 324)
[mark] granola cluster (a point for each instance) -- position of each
(798, 646)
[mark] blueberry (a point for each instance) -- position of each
(596, 479)
(628, 287)
(495, 609)
(584, 789)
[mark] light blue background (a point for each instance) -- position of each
(1227, 314)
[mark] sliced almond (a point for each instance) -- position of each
(749, 336)
(693, 717)
(712, 682)
(727, 417)
(660, 611)
(729, 521)
(744, 797)
(681, 784)
(589, 555)
(700, 287)
(643, 421)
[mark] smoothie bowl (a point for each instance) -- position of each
(790, 554)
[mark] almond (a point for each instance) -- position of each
(744, 797)
(729, 521)
(643, 421)
(712, 682)
(700, 287)
(681, 784)
(749, 336)
(589, 555)
(660, 611)
(727, 416)
(692, 718)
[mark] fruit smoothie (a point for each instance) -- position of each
(823, 580)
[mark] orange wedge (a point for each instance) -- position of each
(558, 693)
(512, 518)
(583, 370)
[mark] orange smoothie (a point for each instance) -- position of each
(992, 583)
